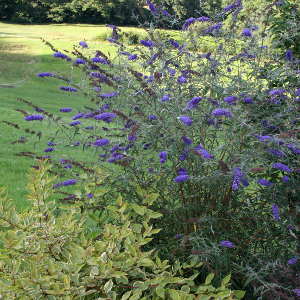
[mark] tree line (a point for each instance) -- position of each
(119, 12)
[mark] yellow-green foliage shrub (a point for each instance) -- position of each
(45, 253)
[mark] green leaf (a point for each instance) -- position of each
(138, 209)
(209, 278)
(126, 295)
(175, 295)
(160, 291)
(226, 280)
(146, 262)
(108, 286)
(239, 294)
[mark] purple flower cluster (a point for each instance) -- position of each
(238, 178)
(83, 44)
(165, 98)
(186, 120)
(75, 123)
(100, 60)
(163, 157)
(187, 140)
(65, 109)
(218, 112)
(227, 244)
(101, 142)
(61, 55)
(292, 261)
(281, 167)
(68, 89)
(147, 43)
(230, 99)
(45, 74)
(107, 117)
(80, 61)
(108, 95)
(275, 212)
(191, 21)
(182, 177)
(34, 118)
(265, 182)
(65, 183)
(199, 150)
(193, 103)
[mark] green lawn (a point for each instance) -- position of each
(22, 56)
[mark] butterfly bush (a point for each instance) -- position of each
(214, 133)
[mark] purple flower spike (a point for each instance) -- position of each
(61, 55)
(163, 157)
(248, 100)
(165, 98)
(132, 57)
(203, 19)
(182, 171)
(65, 183)
(108, 95)
(264, 138)
(285, 179)
(230, 99)
(188, 23)
(132, 138)
(277, 92)
(45, 74)
(247, 32)
(181, 79)
(101, 142)
(68, 89)
(281, 167)
(187, 140)
(80, 61)
(289, 55)
(100, 60)
(147, 43)
(49, 150)
(193, 103)
(152, 117)
(152, 7)
(292, 261)
(75, 123)
(186, 120)
(181, 178)
(174, 43)
(65, 109)
(78, 116)
(264, 182)
(221, 112)
(275, 212)
(227, 244)
(106, 117)
(276, 152)
(34, 118)
(165, 13)
(83, 44)
(297, 292)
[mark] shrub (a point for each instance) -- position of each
(47, 253)
(214, 134)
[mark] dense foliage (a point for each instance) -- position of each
(209, 124)
(47, 253)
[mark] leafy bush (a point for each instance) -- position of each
(214, 134)
(47, 253)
